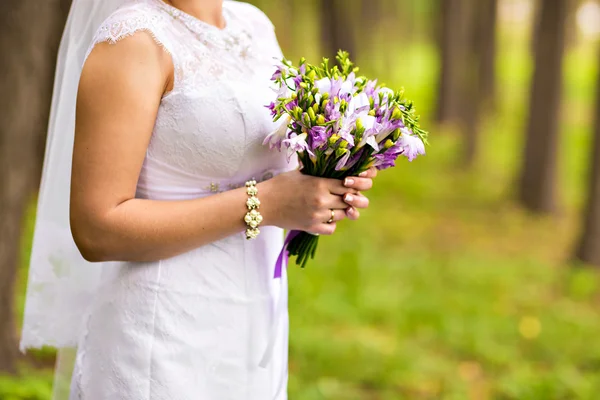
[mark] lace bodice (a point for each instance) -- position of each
(210, 127)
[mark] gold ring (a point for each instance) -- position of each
(332, 216)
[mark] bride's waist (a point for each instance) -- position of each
(160, 182)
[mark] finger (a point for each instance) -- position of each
(352, 213)
(334, 202)
(323, 229)
(348, 185)
(336, 187)
(356, 200)
(333, 215)
(358, 183)
(370, 173)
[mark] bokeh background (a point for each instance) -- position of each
(474, 274)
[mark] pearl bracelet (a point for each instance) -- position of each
(253, 217)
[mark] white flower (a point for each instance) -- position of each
(347, 87)
(275, 138)
(412, 145)
(357, 103)
(284, 92)
(368, 121)
(318, 98)
(323, 85)
(372, 142)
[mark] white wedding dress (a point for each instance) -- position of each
(195, 326)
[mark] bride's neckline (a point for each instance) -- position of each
(194, 22)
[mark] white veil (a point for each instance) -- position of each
(61, 283)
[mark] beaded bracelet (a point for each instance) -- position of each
(253, 217)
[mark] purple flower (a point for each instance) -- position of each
(341, 164)
(346, 96)
(291, 105)
(353, 160)
(385, 127)
(271, 108)
(384, 160)
(332, 111)
(318, 136)
(370, 88)
(297, 81)
(296, 143)
(278, 73)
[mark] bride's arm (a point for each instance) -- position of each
(119, 95)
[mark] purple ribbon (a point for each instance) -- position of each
(284, 253)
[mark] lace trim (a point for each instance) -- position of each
(122, 29)
(119, 30)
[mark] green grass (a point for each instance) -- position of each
(445, 289)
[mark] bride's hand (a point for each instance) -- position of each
(293, 200)
(358, 200)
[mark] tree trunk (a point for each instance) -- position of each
(487, 52)
(537, 190)
(588, 249)
(29, 36)
(470, 77)
(372, 16)
(454, 49)
(336, 28)
(478, 72)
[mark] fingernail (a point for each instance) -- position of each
(349, 198)
(348, 182)
(363, 174)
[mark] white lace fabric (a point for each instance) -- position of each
(195, 325)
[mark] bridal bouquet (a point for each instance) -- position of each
(340, 124)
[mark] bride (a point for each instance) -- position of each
(145, 263)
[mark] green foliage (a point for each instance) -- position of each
(30, 385)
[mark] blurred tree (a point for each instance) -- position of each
(537, 184)
(29, 36)
(486, 48)
(589, 244)
(470, 90)
(452, 39)
(467, 41)
(335, 33)
(570, 36)
(372, 13)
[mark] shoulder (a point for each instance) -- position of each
(249, 13)
(139, 29)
